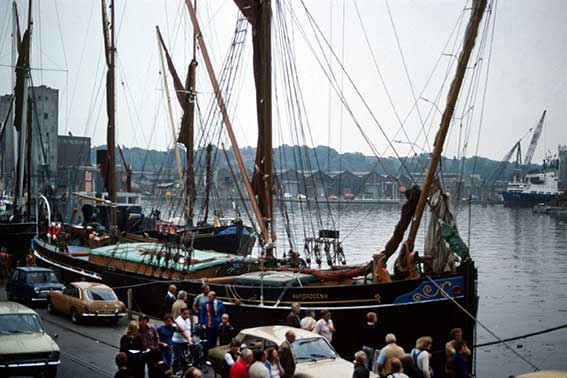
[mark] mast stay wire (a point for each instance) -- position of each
(382, 80)
(500, 340)
(453, 35)
(468, 111)
(406, 70)
(331, 77)
(296, 93)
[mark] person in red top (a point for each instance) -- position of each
(240, 368)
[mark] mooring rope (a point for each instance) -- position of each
(500, 340)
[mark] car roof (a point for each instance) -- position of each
(544, 374)
(90, 285)
(7, 307)
(276, 333)
(33, 269)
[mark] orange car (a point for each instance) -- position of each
(86, 300)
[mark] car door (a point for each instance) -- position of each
(67, 299)
(74, 299)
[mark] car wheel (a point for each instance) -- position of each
(50, 307)
(75, 317)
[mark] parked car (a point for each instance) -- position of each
(86, 300)
(314, 355)
(25, 347)
(32, 284)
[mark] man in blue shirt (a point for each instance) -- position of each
(210, 318)
(165, 332)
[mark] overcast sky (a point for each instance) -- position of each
(527, 73)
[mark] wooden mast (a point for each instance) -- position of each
(218, 95)
(189, 118)
(110, 54)
(468, 45)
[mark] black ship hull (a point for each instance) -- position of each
(512, 199)
(408, 308)
(17, 237)
(234, 238)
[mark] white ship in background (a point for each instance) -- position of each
(536, 188)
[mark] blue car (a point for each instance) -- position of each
(32, 284)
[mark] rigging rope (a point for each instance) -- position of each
(500, 340)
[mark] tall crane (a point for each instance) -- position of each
(533, 145)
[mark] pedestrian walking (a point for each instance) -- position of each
(396, 369)
(293, 319)
(230, 358)
(179, 304)
(131, 345)
(324, 326)
(391, 350)
(165, 334)
(170, 298)
(209, 318)
(240, 367)
(201, 298)
(273, 360)
(148, 333)
(456, 337)
(360, 365)
(309, 321)
(225, 330)
(181, 339)
(286, 355)
(421, 357)
(258, 369)
(371, 337)
(457, 365)
(121, 361)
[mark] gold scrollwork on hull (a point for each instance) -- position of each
(378, 298)
(429, 291)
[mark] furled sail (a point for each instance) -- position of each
(21, 72)
(439, 253)
(258, 13)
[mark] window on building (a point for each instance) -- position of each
(45, 115)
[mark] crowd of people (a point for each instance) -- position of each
(388, 359)
(163, 350)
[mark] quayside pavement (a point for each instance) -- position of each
(87, 350)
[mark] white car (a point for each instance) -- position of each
(315, 357)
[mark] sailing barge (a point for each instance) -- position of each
(421, 298)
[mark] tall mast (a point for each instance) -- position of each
(170, 112)
(110, 55)
(469, 41)
(189, 120)
(21, 105)
(218, 95)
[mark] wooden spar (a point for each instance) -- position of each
(218, 95)
(208, 179)
(111, 110)
(189, 115)
(170, 113)
(29, 128)
(127, 169)
(469, 41)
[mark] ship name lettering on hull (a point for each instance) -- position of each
(310, 296)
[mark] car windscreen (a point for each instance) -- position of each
(20, 323)
(101, 295)
(41, 277)
(312, 349)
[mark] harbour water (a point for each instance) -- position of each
(521, 259)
